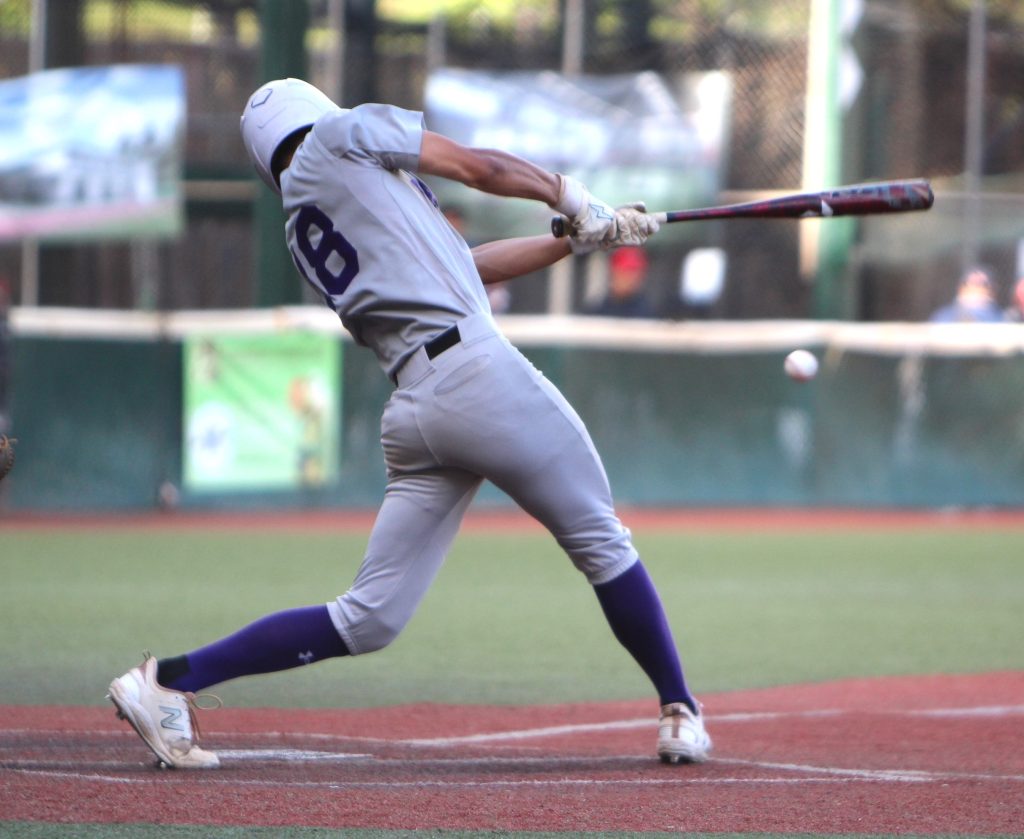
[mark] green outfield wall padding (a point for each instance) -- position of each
(97, 423)
(99, 428)
(916, 430)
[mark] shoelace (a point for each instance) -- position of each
(194, 702)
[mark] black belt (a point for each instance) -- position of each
(445, 341)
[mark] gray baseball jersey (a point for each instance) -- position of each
(369, 236)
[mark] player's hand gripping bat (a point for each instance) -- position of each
(859, 200)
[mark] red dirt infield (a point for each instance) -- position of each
(924, 755)
(513, 519)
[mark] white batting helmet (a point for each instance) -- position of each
(273, 113)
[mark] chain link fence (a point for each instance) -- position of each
(907, 119)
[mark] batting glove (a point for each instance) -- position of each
(634, 225)
(592, 220)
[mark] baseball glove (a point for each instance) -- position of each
(6, 455)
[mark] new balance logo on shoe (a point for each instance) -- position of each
(172, 720)
(163, 718)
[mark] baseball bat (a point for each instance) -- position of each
(857, 200)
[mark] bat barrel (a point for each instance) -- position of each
(885, 197)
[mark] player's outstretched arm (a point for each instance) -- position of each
(488, 170)
(501, 173)
(506, 259)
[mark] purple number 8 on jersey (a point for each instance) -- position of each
(332, 243)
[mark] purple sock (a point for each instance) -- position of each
(634, 612)
(276, 642)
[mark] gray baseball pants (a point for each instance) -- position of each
(477, 411)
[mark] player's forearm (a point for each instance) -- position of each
(510, 176)
(510, 258)
(488, 170)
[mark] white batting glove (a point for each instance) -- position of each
(634, 225)
(592, 220)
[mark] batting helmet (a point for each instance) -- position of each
(273, 113)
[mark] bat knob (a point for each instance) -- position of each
(558, 227)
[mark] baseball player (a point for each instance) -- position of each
(367, 234)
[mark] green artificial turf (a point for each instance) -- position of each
(508, 619)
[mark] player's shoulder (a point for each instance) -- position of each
(366, 126)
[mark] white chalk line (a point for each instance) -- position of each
(202, 777)
(229, 755)
(904, 775)
(290, 755)
(827, 774)
(984, 711)
(126, 733)
(966, 713)
(814, 775)
(712, 720)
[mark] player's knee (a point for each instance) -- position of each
(377, 634)
(367, 626)
(603, 561)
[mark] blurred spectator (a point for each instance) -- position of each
(5, 360)
(975, 301)
(701, 281)
(499, 297)
(1015, 311)
(457, 219)
(627, 286)
(498, 294)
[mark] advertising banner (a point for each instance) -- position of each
(92, 153)
(261, 412)
(630, 137)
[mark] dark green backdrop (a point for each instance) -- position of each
(99, 427)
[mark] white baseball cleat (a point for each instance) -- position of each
(164, 719)
(681, 735)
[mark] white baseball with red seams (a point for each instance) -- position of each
(801, 365)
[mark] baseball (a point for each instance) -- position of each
(801, 365)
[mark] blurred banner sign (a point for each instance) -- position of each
(630, 137)
(261, 411)
(92, 153)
